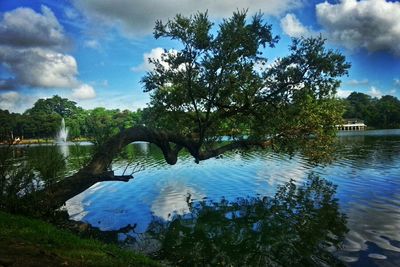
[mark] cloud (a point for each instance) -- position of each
(9, 99)
(7, 84)
(375, 92)
(40, 67)
(397, 82)
(94, 44)
(23, 27)
(293, 27)
(138, 17)
(31, 50)
(71, 13)
(84, 91)
(16, 101)
(114, 100)
(343, 93)
(357, 82)
(157, 54)
(370, 24)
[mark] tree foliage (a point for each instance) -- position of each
(54, 105)
(44, 118)
(377, 113)
(214, 84)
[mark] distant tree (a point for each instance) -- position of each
(377, 113)
(388, 108)
(361, 106)
(45, 117)
(76, 123)
(100, 125)
(56, 104)
(45, 125)
(7, 125)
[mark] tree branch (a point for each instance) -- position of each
(109, 176)
(96, 170)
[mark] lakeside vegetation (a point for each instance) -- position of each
(378, 113)
(41, 122)
(30, 242)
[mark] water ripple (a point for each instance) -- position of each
(367, 172)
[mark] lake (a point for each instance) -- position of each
(366, 170)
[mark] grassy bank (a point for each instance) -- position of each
(28, 242)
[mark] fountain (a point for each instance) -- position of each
(62, 134)
(61, 139)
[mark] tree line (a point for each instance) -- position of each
(44, 118)
(380, 113)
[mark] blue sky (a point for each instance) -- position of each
(94, 51)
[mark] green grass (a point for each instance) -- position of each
(29, 242)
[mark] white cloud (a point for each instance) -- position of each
(343, 93)
(36, 67)
(156, 54)
(138, 17)
(84, 91)
(293, 27)
(9, 99)
(19, 102)
(370, 24)
(23, 27)
(114, 100)
(31, 47)
(357, 82)
(94, 44)
(375, 92)
(397, 82)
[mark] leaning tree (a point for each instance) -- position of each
(220, 83)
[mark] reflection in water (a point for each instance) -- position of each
(64, 149)
(174, 197)
(366, 170)
(143, 146)
(300, 226)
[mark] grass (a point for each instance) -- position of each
(29, 242)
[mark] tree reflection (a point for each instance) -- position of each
(299, 226)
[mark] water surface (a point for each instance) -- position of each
(366, 170)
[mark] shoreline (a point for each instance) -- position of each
(40, 141)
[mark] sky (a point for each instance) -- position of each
(95, 52)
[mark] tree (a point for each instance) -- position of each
(214, 83)
(55, 105)
(361, 106)
(388, 112)
(6, 125)
(100, 125)
(379, 113)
